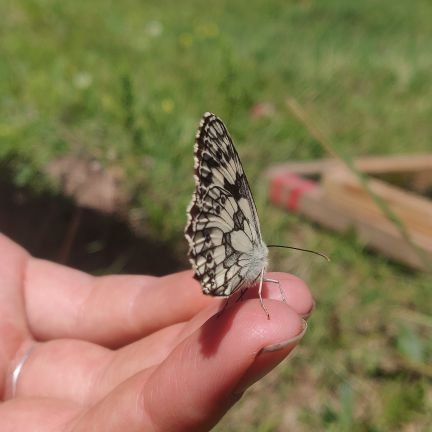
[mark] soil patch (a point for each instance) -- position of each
(54, 227)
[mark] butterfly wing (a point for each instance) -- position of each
(225, 245)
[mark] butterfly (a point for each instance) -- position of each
(226, 248)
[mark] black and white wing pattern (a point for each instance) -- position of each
(226, 250)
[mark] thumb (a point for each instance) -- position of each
(204, 375)
(208, 372)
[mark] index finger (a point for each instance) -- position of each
(109, 310)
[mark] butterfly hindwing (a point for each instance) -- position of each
(225, 245)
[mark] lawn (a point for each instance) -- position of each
(125, 83)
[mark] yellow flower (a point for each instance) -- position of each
(167, 105)
(185, 40)
(207, 30)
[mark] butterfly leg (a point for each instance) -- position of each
(222, 310)
(227, 301)
(280, 288)
(242, 293)
(260, 293)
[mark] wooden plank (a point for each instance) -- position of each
(310, 200)
(395, 164)
(416, 169)
(346, 191)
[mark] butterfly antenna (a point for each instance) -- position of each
(300, 249)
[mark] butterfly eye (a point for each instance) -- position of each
(209, 258)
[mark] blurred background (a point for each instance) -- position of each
(99, 105)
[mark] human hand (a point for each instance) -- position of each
(131, 353)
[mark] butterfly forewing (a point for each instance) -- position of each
(225, 245)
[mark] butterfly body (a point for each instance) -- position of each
(226, 249)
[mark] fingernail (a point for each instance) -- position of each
(266, 359)
(286, 343)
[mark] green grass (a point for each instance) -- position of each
(126, 83)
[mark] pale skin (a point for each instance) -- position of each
(132, 353)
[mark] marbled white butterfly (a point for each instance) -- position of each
(226, 249)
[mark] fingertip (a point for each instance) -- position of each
(285, 287)
(295, 291)
(244, 333)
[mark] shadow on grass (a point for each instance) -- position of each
(53, 227)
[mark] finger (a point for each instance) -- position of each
(84, 361)
(37, 414)
(204, 375)
(13, 324)
(156, 347)
(62, 369)
(83, 372)
(110, 310)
